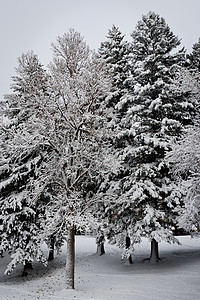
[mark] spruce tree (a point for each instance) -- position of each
(193, 59)
(116, 53)
(155, 117)
(20, 213)
(150, 115)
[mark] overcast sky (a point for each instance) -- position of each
(35, 24)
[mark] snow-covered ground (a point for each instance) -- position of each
(176, 277)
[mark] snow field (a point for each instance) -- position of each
(176, 277)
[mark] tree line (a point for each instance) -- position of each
(103, 142)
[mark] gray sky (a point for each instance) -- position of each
(35, 24)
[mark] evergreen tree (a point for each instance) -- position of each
(116, 53)
(193, 59)
(150, 116)
(20, 163)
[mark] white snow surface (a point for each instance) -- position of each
(175, 277)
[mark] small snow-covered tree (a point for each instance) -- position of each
(193, 59)
(185, 160)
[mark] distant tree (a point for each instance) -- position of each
(185, 159)
(193, 59)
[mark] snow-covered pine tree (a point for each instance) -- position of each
(19, 163)
(115, 52)
(156, 115)
(193, 59)
(151, 115)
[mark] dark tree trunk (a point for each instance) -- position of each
(51, 249)
(154, 252)
(27, 266)
(128, 243)
(100, 245)
(70, 259)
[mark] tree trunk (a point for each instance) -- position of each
(70, 259)
(128, 243)
(100, 245)
(27, 266)
(51, 249)
(154, 252)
